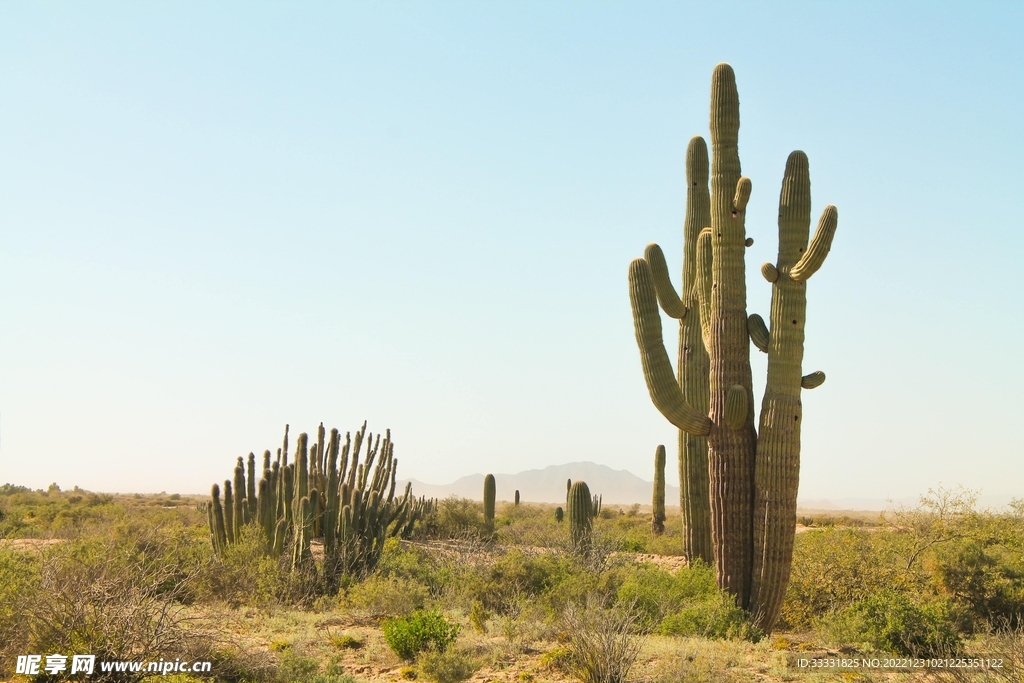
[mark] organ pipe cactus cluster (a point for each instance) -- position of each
(658, 503)
(325, 494)
(745, 482)
(581, 517)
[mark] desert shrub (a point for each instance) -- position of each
(602, 642)
(450, 666)
(451, 518)
(713, 616)
(296, 666)
(890, 621)
(420, 631)
(244, 574)
(100, 599)
(388, 596)
(657, 593)
(516, 575)
(834, 568)
(19, 578)
(984, 574)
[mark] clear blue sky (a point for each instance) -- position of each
(216, 218)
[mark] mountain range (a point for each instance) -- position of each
(617, 487)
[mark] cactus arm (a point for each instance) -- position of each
(812, 380)
(740, 199)
(819, 247)
(758, 332)
(661, 381)
(667, 297)
(702, 283)
(770, 272)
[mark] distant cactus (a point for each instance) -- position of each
(517, 497)
(581, 517)
(559, 515)
(658, 523)
(489, 494)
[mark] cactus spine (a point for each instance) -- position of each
(581, 517)
(489, 495)
(658, 521)
(753, 475)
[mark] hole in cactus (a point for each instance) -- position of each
(794, 322)
(796, 417)
(734, 214)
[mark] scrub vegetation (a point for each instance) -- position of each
(516, 598)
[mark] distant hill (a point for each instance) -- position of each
(619, 487)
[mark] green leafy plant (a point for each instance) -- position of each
(422, 630)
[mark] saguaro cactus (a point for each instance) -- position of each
(753, 475)
(489, 493)
(517, 497)
(658, 503)
(581, 517)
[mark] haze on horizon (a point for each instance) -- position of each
(218, 219)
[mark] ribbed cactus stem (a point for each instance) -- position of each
(250, 488)
(581, 517)
(778, 446)
(489, 496)
(219, 531)
(658, 502)
(240, 507)
(229, 512)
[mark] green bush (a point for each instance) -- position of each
(834, 568)
(657, 593)
(451, 666)
(715, 616)
(892, 622)
(295, 666)
(420, 631)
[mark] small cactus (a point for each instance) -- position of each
(489, 493)
(559, 515)
(658, 523)
(581, 517)
(517, 497)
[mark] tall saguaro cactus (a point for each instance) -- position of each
(752, 476)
